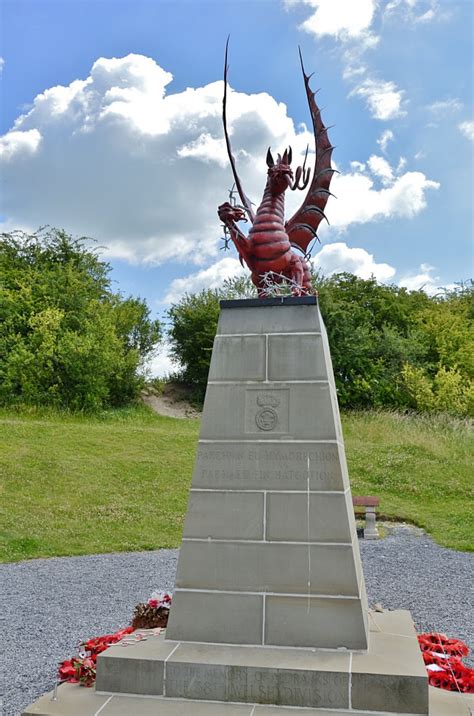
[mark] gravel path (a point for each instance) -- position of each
(50, 604)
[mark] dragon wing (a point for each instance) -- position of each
(302, 227)
(243, 197)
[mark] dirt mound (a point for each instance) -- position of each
(172, 401)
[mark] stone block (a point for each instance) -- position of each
(123, 706)
(283, 465)
(296, 357)
(225, 515)
(303, 411)
(391, 676)
(136, 669)
(268, 319)
(390, 692)
(238, 358)
(398, 622)
(268, 567)
(258, 675)
(314, 622)
(310, 517)
(219, 682)
(72, 700)
(216, 617)
(448, 703)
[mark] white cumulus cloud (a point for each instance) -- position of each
(424, 280)
(339, 257)
(380, 168)
(384, 139)
(467, 128)
(359, 201)
(17, 144)
(417, 11)
(116, 157)
(344, 18)
(383, 99)
(211, 277)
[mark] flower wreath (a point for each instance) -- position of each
(443, 660)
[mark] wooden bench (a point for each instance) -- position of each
(370, 503)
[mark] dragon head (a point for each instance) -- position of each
(280, 173)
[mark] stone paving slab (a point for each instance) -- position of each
(74, 700)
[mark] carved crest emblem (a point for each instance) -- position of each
(267, 417)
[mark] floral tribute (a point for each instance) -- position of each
(81, 669)
(443, 659)
(153, 613)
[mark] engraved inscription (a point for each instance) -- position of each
(270, 466)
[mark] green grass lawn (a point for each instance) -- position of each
(119, 481)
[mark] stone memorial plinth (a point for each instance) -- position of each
(269, 554)
(269, 604)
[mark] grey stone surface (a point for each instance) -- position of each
(282, 465)
(296, 357)
(135, 669)
(392, 674)
(228, 618)
(268, 567)
(266, 522)
(370, 529)
(311, 620)
(298, 319)
(263, 685)
(394, 694)
(263, 658)
(398, 622)
(77, 701)
(225, 515)
(71, 700)
(122, 706)
(305, 411)
(322, 523)
(238, 358)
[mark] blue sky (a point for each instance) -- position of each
(111, 128)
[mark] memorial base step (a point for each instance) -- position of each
(74, 700)
(390, 677)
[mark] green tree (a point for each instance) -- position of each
(66, 339)
(445, 382)
(390, 347)
(373, 332)
(191, 334)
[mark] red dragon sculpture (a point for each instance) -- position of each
(268, 248)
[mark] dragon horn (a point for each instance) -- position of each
(270, 160)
